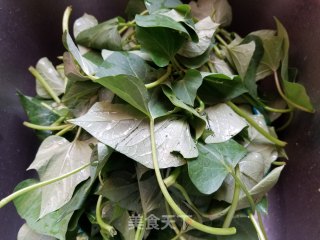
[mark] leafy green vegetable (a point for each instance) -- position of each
(154, 5)
(125, 130)
(129, 88)
(186, 89)
(57, 156)
(51, 76)
(102, 36)
(169, 127)
(122, 63)
(214, 163)
(26, 233)
(160, 36)
(38, 113)
(219, 10)
(224, 130)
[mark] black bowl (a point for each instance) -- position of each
(30, 29)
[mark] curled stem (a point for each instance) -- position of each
(187, 198)
(244, 189)
(163, 78)
(218, 52)
(44, 128)
(65, 130)
(172, 203)
(282, 94)
(256, 125)
(174, 225)
(277, 110)
(235, 201)
(20, 192)
(172, 178)
(287, 123)
(65, 19)
(44, 84)
(59, 120)
(257, 227)
(104, 226)
(220, 39)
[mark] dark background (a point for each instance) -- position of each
(31, 29)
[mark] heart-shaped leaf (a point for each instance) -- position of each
(127, 131)
(57, 156)
(215, 161)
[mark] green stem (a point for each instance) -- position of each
(235, 201)
(140, 229)
(220, 39)
(65, 19)
(262, 226)
(172, 203)
(44, 84)
(256, 125)
(211, 67)
(277, 110)
(287, 123)
(128, 24)
(226, 34)
(187, 198)
(257, 227)
(63, 131)
(20, 192)
(59, 120)
(269, 109)
(218, 52)
(44, 128)
(47, 106)
(100, 221)
(277, 163)
(163, 78)
(172, 178)
(132, 23)
(244, 189)
(177, 65)
(174, 225)
(202, 106)
(282, 94)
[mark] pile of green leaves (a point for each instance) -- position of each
(160, 115)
